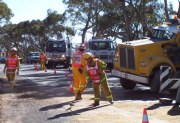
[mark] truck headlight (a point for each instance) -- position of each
(63, 56)
(143, 63)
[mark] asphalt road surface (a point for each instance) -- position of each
(44, 97)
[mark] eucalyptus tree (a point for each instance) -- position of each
(54, 26)
(178, 14)
(84, 15)
(5, 13)
(130, 19)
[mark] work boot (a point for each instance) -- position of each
(95, 104)
(78, 96)
(111, 101)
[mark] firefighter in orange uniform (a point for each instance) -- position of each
(78, 63)
(43, 60)
(12, 67)
(95, 72)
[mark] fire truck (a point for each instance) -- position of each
(139, 61)
(103, 49)
(58, 53)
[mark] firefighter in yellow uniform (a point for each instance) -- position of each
(95, 72)
(12, 67)
(79, 79)
(43, 60)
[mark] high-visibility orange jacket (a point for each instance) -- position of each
(42, 57)
(12, 62)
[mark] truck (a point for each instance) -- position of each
(139, 61)
(103, 49)
(58, 52)
(33, 57)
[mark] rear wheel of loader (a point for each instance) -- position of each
(155, 82)
(127, 84)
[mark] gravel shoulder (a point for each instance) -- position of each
(32, 103)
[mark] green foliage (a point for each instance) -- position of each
(31, 35)
(125, 19)
(5, 13)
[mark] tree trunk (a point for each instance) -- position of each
(178, 14)
(166, 10)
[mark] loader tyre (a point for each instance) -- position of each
(155, 82)
(127, 84)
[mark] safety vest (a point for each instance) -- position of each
(43, 57)
(77, 57)
(12, 62)
(93, 73)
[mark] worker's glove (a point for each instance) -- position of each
(17, 73)
(80, 70)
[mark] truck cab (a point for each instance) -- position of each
(103, 49)
(58, 52)
(139, 61)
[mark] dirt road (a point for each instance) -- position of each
(49, 103)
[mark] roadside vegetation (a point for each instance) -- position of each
(116, 19)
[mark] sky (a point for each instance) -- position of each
(33, 9)
(37, 9)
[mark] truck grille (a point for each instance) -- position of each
(102, 56)
(127, 58)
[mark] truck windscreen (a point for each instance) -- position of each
(101, 45)
(59, 46)
(162, 35)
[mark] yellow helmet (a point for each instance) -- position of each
(88, 55)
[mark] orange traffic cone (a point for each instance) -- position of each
(54, 71)
(71, 87)
(145, 117)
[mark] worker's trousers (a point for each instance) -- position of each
(103, 85)
(42, 63)
(10, 74)
(79, 81)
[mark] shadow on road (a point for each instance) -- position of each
(76, 112)
(55, 106)
(174, 111)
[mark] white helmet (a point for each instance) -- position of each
(14, 49)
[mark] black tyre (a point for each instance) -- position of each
(127, 84)
(155, 82)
